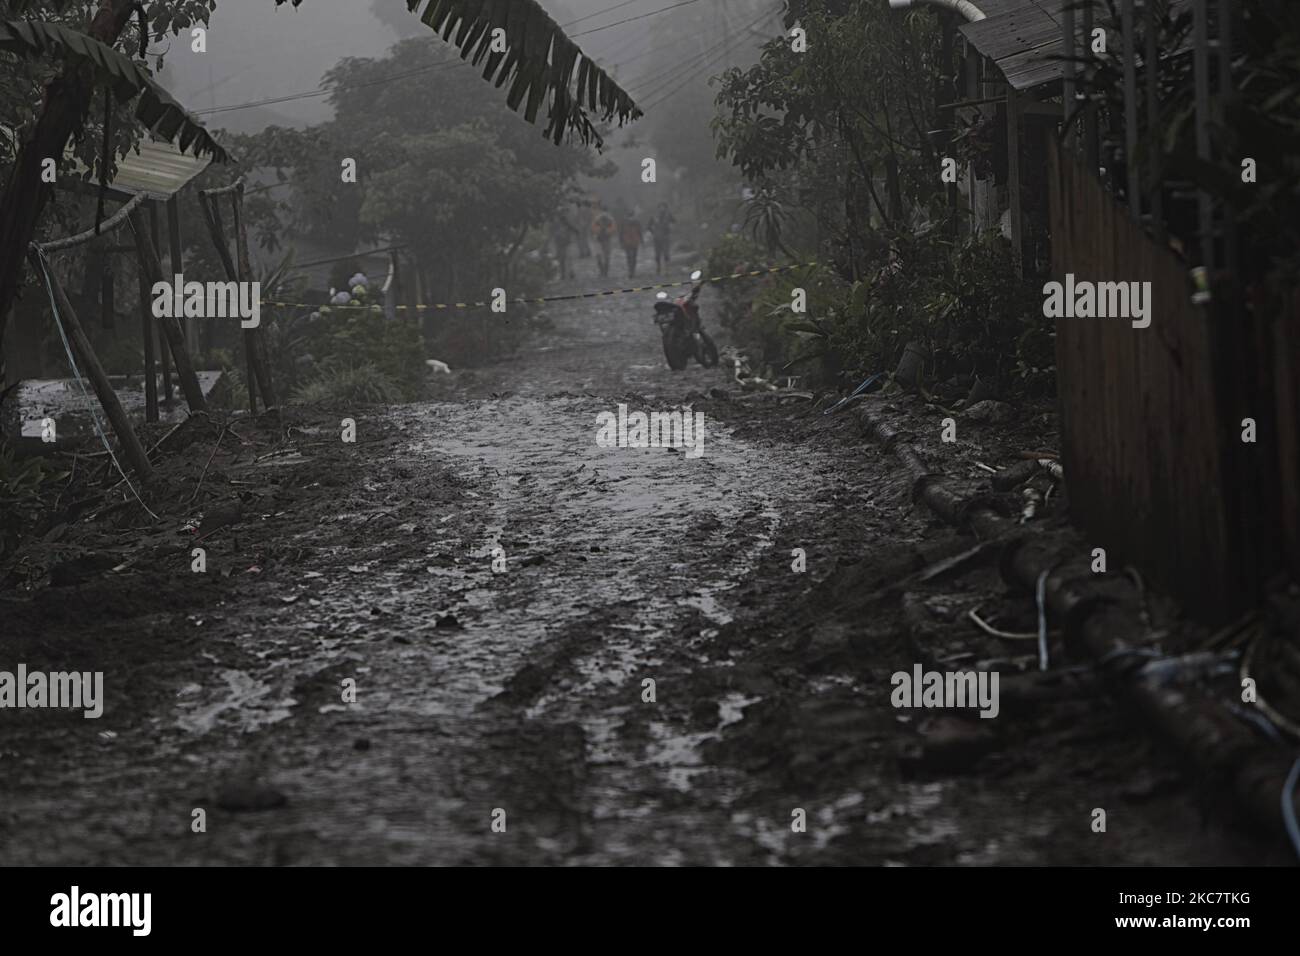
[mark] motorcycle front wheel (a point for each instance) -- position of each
(706, 352)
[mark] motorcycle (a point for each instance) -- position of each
(679, 323)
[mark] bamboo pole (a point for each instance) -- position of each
(89, 362)
(147, 257)
(146, 330)
(212, 217)
(176, 259)
(252, 337)
(163, 352)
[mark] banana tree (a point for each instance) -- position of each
(515, 41)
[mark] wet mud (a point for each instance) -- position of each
(500, 589)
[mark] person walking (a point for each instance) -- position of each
(630, 238)
(603, 229)
(662, 228)
(586, 213)
(562, 233)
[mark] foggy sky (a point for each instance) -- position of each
(258, 51)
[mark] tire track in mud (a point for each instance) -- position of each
(629, 556)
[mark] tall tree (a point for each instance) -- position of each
(515, 41)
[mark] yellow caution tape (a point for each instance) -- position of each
(541, 300)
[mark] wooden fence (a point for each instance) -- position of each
(1157, 470)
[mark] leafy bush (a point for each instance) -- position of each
(335, 384)
(959, 301)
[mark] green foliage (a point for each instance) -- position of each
(959, 302)
(1260, 121)
(23, 485)
(22, 479)
(156, 110)
(363, 338)
(338, 383)
(734, 253)
(454, 177)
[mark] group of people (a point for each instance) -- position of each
(603, 228)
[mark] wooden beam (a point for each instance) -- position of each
(212, 217)
(1091, 143)
(253, 341)
(1201, 86)
(1013, 178)
(162, 341)
(176, 258)
(146, 333)
(1131, 175)
(1067, 84)
(1151, 76)
(88, 362)
(147, 256)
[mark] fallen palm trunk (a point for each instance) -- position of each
(1101, 626)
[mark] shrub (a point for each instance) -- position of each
(336, 384)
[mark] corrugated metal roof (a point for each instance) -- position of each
(1026, 37)
(160, 170)
(1023, 37)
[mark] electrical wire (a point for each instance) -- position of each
(650, 99)
(325, 91)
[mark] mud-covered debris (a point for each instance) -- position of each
(222, 516)
(948, 745)
(993, 412)
(719, 394)
(248, 797)
(81, 569)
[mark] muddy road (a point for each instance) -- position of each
(499, 590)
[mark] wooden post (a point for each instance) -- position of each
(89, 362)
(1091, 144)
(212, 216)
(177, 262)
(1131, 175)
(162, 341)
(253, 340)
(146, 329)
(147, 256)
(1013, 177)
(1201, 86)
(1151, 74)
(1067, 84)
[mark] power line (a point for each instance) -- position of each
(693, 73)
(599, 13)
(727, 44)
(326, 91)
(642, 16)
